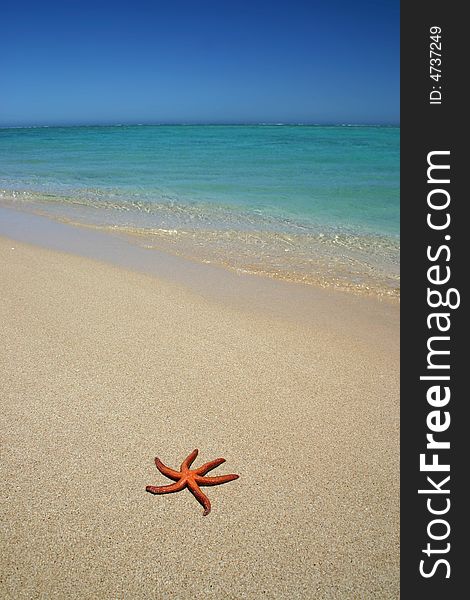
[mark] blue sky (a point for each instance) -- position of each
(199, 61)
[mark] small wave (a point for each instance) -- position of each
(248, 242)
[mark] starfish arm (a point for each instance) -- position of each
(188, 461)
(166, 489)
(170, 473)
(215, 480)
(200, 497)
(209, 466)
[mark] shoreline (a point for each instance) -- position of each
(166, 246)
(328, 308)
(349, 257)
(107, 367)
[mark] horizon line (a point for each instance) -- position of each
(200, 123)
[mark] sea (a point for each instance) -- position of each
(310, 204)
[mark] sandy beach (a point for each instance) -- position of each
(103, 368)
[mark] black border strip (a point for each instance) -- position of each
(426, 128)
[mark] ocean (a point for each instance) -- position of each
(311, 204)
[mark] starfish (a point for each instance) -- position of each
(190, 478)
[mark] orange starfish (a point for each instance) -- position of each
(190, 478)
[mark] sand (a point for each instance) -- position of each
(104, 368)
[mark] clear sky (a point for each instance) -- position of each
(78, 62)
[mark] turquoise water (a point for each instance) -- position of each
(308, 203)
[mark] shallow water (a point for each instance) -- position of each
(305, 203)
